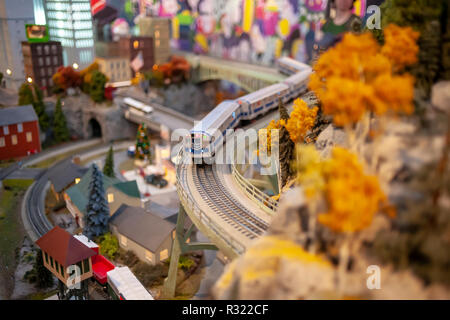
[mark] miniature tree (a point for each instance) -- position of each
(60, 131)
(108, 168)
(286, 146)
(25, 95)
(426, 17)
(44, 278)
(142, 143)
(39, 108)
(97, 210)
(97, 86)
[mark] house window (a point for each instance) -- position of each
(135, 44)
(5, 130)
(110, 197)
(14, 139)
(2, 142)
(123, 240)
(157, 43)
(157, 34)
(77, 180)
(148, 255)
(29, 136)
(163, 255)
(86, 265)
(19, 127)
(173, 234)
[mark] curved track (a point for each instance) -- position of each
(211, 188)
(35, 211)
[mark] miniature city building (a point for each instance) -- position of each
(14, 14)
(159, 30)
(64, 176)
(116, 69)
(146, 234)
(131, 47)
(70, 22)
(116, 193)
(107, 49)
(60, 250)
(42, 60)
(19, 132)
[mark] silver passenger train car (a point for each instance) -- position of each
(290, 66)
(207, 134)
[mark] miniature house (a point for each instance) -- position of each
(147, 235)
(62, 252)
(19, 132)
(64, 176)
(116, 193)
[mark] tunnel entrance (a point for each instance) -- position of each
(95, 130)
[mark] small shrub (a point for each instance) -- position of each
(109, 245)
(150, 275)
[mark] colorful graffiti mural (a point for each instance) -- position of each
(256, 31)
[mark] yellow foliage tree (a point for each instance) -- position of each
(273, 125)
(301, 120)
(365, 79)
(353, 198)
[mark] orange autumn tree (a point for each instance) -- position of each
(367, 77)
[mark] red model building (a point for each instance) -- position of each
(19, 132)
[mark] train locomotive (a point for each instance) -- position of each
(206, 135)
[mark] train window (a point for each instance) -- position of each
(234, 115)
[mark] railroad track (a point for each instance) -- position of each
(35, 204)
(225, 205)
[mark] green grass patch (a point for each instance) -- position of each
(11, 230)
(17, 184)
(52, 160)
(41, 295)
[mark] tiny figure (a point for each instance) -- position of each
(340, 20)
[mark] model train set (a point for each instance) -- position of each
(206, 135)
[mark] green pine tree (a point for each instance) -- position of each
(44, 278)
(108, 169)
(39, 108)
(97, 211)
(60, 131)
(142, 143)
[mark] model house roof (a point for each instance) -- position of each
(144, 228)
(64, 247)
(19, 114)
(65, 174)
(79, 193)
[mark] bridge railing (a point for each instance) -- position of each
(188, 201)
(265, 202)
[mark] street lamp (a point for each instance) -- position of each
(30, 80)
(8, 72)
(75, 65)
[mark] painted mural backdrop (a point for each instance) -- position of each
(248, 30)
